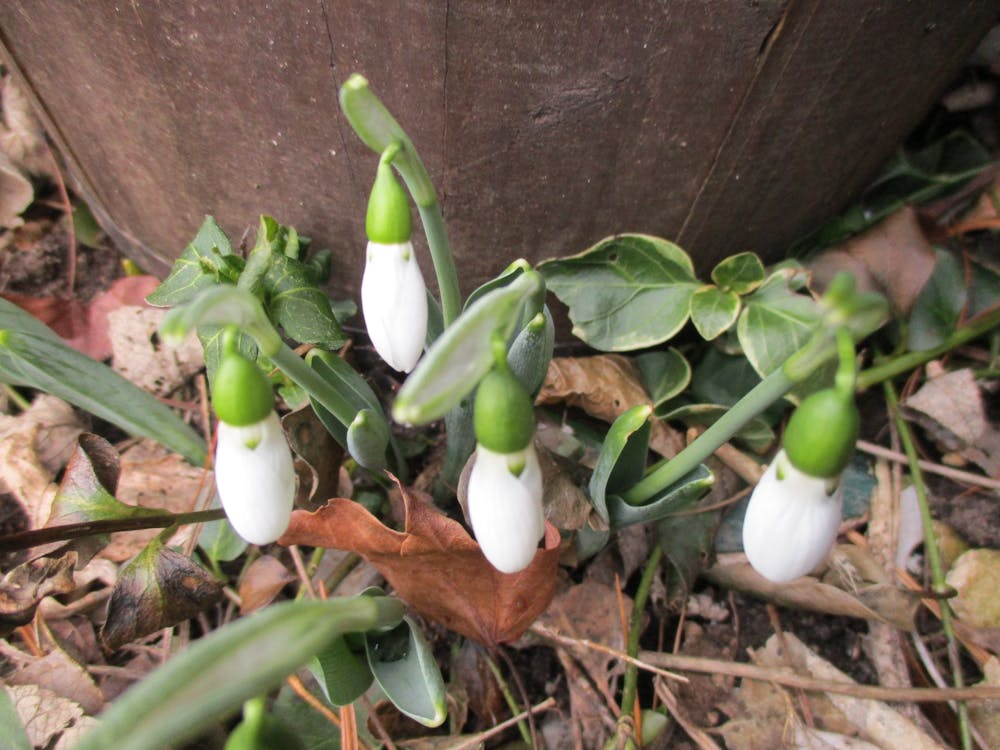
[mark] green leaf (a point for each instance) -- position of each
(677, 496)
(214, 675)
(755, 434)
(939, 305)
(218, 539)
(201, 265)
(721, 378)
(775, 322)
(687, 542)
(530, 353)
(211, 337)
(368, 438)
(463, 354)
(341, 671)
(626, 292)
(665, 374)
(300, 307)
(12, 733)
(714, 311)
(985, 288)
(312, 727)
(406, 670)
(740, 273)
(29, 356)
(622, 458)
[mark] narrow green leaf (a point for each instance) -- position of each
(714, 311)
(405, 668)
(214, 675)
(939, 304)
(626, 292)
(676, 497)
(775, 323)
(665, 374)
(45, 363)
(740, 273)
(625, 444)
(454, 365)
(368, 438)
(12, 733)
(342, 672)
(199, 266)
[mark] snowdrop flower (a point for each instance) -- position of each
(505, 506)
(504, 498)
(791, 522)
(254, 473)
(255, 477)
(393, 294)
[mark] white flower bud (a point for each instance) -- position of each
(394, 301)
(505, 506)
(791, 522)
(255, 478)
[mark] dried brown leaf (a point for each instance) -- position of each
(893, 257)
(485, 699)
(137, 353)
(57, 672)
(25, 586)
(263, 580)
(319, 452)
(604, 386)
(16, 193)
(976, 577)
(436, 566)
(43, 713)
(23, 475)
(21, 136)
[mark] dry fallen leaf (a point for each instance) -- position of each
(24, 475)
(436, 566)
(16, 193)
(43, 713)
(604, 386)
(263, 580)
(893, 257)
(23, 588)
(976, 577)
(986, 714)
(21, 136)
(57, 672)
(137, 353)
(318, 452)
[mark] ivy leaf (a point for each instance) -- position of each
(626, 292)
(713, 311)
(776, 322)
(687, 543)
(157, 589)
(300, 307)
(740, 273)
(665, 374)
(202, 264)
(939, 304)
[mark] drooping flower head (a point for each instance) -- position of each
(505, 484)
(254, 473)
(393, 294)
(794, 513)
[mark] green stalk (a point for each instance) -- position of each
(444, 263)
(934, 562)
(635, 630)
(906, 362)
(296, 368)
(508, 696)
(769, 390)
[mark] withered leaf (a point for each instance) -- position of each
(316, 448)
(436, 567)
(604, 386)
(264, 580)
(25, 586)
(43, 713)
(158, 589)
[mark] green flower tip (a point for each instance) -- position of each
(241, 393)
(388, 219)
(356, 82)
(820, 436)
(503, 416)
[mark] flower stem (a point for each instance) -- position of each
(906, 362)
(314, 384)
(933, 554)
(630, 685)
(769, 390)
(444, 263)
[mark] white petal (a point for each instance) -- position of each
(255, 478)
(394, 301)
(506, 510)
(791, 523)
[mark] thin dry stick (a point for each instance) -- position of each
(552, 635)
(349, 739)
(700, 737)
(300, 568)
(503, 726)
(964, 477)
(379, 727)
(868, 692)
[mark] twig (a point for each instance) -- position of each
(964, 477)
(700, 737)
(349, 739)
(300, 568)
(477, 739)
(380, 729)
(780, 677)
(508, 696)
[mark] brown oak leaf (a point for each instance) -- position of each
(436, 567)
